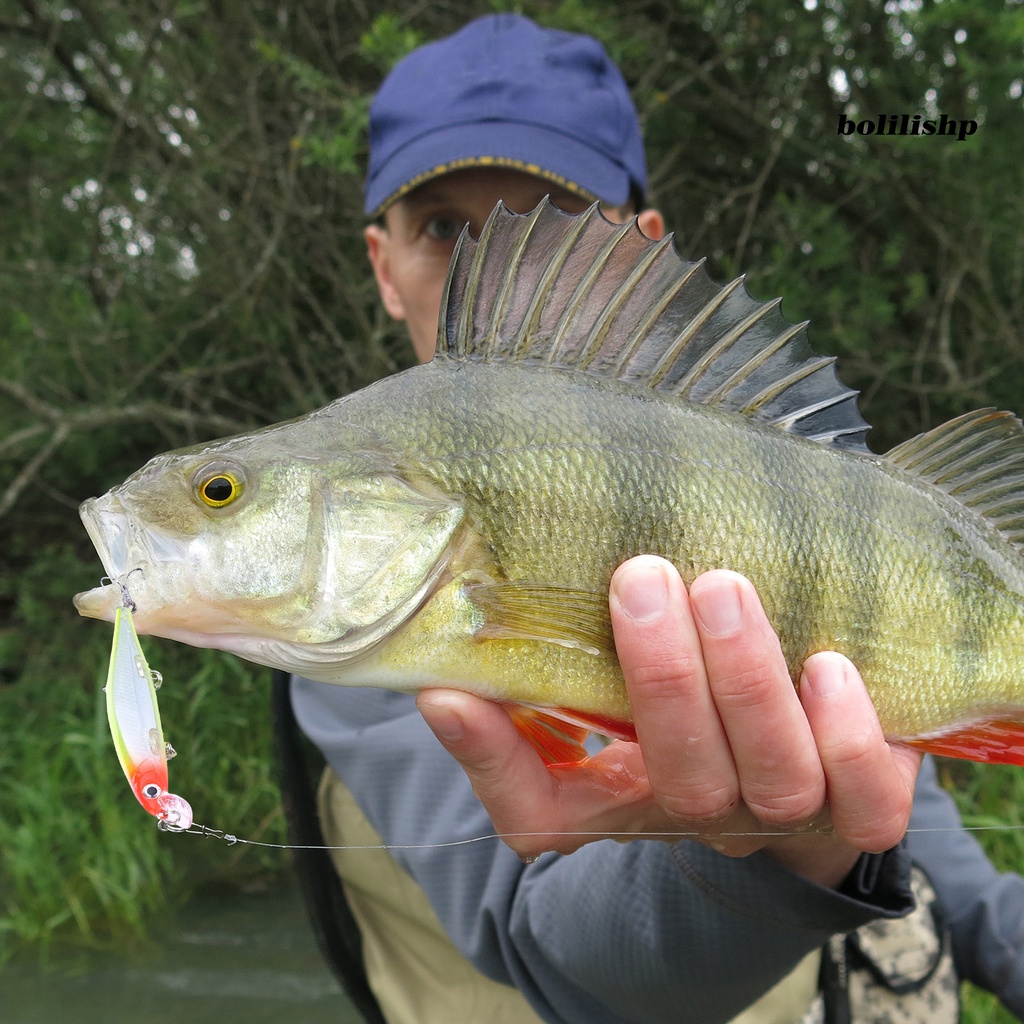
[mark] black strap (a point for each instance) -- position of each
(335, 929)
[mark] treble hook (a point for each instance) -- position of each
(122, 584)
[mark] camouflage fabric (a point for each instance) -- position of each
(891, 972)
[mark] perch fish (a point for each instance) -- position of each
(593, 396)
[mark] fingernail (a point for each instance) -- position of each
(444, 721)
(719, 607)
(641, 589)
(825, 674)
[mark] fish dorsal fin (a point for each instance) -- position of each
(978, 459)
(583, 293)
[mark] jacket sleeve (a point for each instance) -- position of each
(984, 909)
(615, 932)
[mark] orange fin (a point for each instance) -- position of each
(557, 734)
(991, 742)
(613, 727)
(557, 741)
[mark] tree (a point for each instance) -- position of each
(180, 253)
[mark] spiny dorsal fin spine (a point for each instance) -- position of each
(699, 321)
(588, 352)
(557, 353)
(603, 299)
(548, 281)
(736, 335)
(776, 387)
(657, 310)
(453, 299)
(507, 291)
(802, 373)
(825, 403)
(615, 304)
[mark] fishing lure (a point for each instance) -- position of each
(134, 719)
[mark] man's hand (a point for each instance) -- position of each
(729, 753)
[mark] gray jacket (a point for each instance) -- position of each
(634, 931)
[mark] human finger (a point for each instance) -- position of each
(535, 808)
(501, 766)
(781, 780)
(870, 782)
(689, 763)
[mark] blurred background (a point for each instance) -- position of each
(181, 258)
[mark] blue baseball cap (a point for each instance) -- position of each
(504, 92)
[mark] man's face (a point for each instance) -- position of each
(410, 255)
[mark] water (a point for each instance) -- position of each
(229, 957)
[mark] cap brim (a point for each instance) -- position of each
(565, 162)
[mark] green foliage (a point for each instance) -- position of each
(388, 39)
(979, 1007)
(77, 852)
(181, 257)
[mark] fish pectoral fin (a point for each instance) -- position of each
(524, 610)
(558, 734)
(992, 742)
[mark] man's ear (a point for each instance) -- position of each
(378, 249)
(652, 224)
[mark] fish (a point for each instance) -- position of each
(593, 396)
(134, 719)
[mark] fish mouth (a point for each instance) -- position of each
(107, 530)
(123, 549)
(99, 603)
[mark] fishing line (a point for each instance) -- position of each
(205, 832)
(142, 684)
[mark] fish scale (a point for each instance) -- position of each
(592, 399)
(744, 500)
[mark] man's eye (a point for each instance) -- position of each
(442, 229)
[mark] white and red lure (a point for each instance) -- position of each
(134, 719)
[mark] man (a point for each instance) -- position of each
(695, 929)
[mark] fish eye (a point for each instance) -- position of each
(218, 487)
(151, 791)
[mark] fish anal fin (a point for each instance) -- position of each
(524, 610)
(991, 742)
(558, 734)
(614, 728)
(557, 741)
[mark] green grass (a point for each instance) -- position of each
(979, 1007)
(80, 860)
(989, 796)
